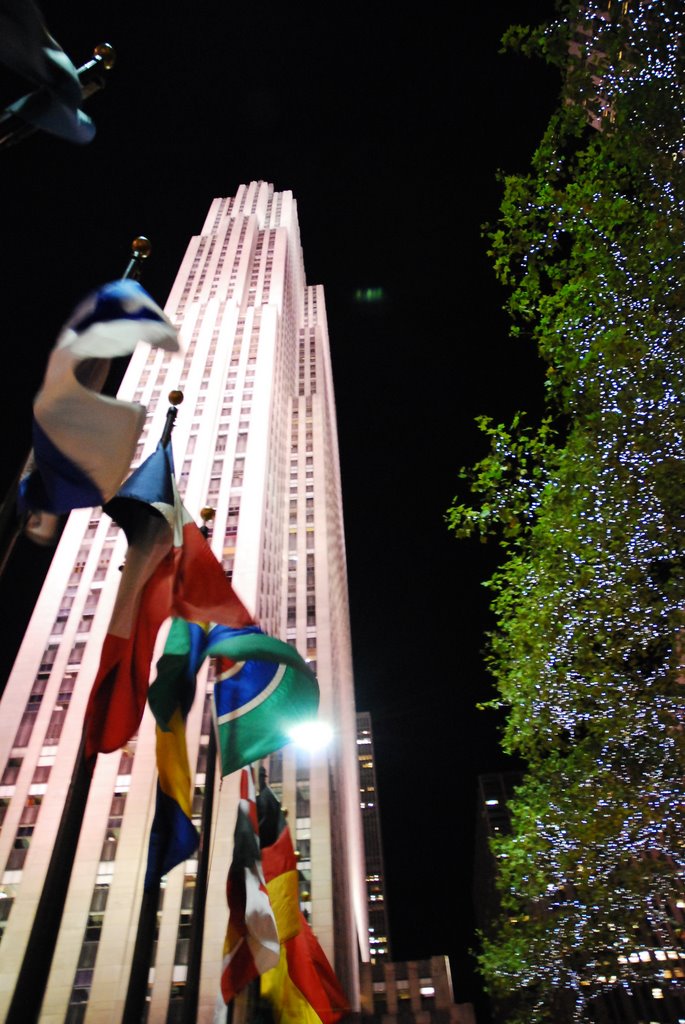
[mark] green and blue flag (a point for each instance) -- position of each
(262, 688)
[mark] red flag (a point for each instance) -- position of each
(313, 976)
(170, 571)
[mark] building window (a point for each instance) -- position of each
(28, 720)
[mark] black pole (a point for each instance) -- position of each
(142, 958)
(35, 969)
(147, 919)
(192, 987)
(175, 399)
(92, 76)
(171, 414)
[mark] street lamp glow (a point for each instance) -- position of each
(311, 736)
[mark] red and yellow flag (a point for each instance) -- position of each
(302, 988)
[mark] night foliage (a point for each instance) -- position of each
(588, 506)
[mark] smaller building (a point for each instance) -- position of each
(493, 818)
(379, 932)
(411, 992)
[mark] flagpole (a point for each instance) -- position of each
(192, 987)
(142, 956)
(35, 969)
(14, 129)
(136, 992)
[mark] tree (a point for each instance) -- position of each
(588, 507)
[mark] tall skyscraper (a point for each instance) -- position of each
(256, 439)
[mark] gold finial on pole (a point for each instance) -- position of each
(175, 399)
(90, 74)
(206, 515)
(105, 53)
(141, 248)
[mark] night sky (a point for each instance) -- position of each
(389, 126)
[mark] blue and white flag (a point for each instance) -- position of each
(83, 442)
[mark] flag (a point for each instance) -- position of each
(28, 49)
(279, 861)
(191, 582)
(251, 945)
(263, 687)
(170, 570)
(302, 988)
(117, 699)
(83, 442)
(173, 837)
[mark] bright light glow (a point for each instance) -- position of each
(311, 736)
